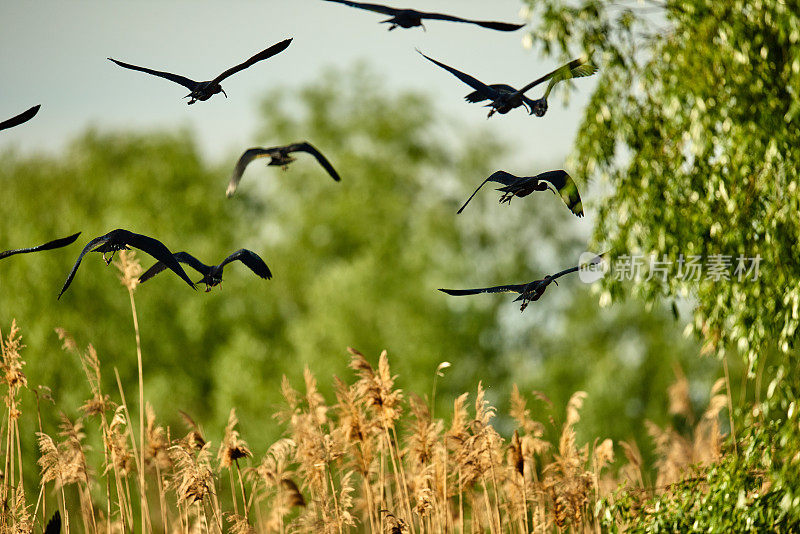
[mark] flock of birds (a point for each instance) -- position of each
(501, 98)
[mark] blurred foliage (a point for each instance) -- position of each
(693, 128)
(355, 263)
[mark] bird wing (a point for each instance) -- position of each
(477, 96)
(500, 26)
(264, 54)
(512, 288)
(577, 68)
(97, 241)
(54, 525)
(308, 147)
(566, 188)
(252, 260)
(158, 250)
(502, 177)
(25, 116)
(56, 243)
(377, 8)
(249, 155)
(177, 78)
(476, 84)
(182, 257)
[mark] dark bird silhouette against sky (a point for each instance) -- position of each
(122, 240)
(503, 98)
(54, 525)
(520, 186)
(212, 274)
(50, 245)
(279, 156)
(409, 18)
(25, 116)
(205, 90)
(529, 292)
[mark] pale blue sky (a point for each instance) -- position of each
(54, 53)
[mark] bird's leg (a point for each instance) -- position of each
(208, 287)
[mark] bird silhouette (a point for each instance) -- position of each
(557, 181)
(56, 243)
(122, 240)
(529, 292)
(503, 98)
(409, 18)
(212, 274)
(279, 156)
(54, 525)
(25, 116)
(205, 90)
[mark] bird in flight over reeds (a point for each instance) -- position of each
(54, 525)
(212, 274)
(205, 90)
(503, 98)
(25, 116)
(279, 155)
(558, 182)
(529, 292)
(122, 240)
(409, 18)
(50, 245)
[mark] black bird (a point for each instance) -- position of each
(120, 240)
(529, 292)
(409, 18)
(212, 274)
(54, 525)
(279, 156)
(557, 181)
(25, 116)
(50, 245)
(205, 90)
(503, 98)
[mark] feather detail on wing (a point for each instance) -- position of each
(309, 148)
(249, 155)
(252, 260)
(264, 54)
(501, 177)
(23, 117)
(566, 188)
(182, 80)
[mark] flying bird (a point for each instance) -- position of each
(54, 525)
(529, 292)
(409, 18)
(503, 98)
(212, 274)
(50, 245)
(205, 90)
(122, 240)
(25, 116)
(279, 155)
(557, 181)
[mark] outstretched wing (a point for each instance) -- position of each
(159, 251)
(182, 257)
(377, 8)
(500, 26)
(96, 242)
(264, 54)
(25, 116)
(252, 260)
(308, 147)
(182, 80)
(476, 84)
(501, 177)
(512, 288)
(477, 96)
(56, 243)
(577, 68)
(566, 188)
(249, 155)
(54, 525)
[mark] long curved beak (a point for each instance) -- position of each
(223, 92)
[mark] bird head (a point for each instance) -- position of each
(539, 107)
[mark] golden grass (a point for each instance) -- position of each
(373, 461)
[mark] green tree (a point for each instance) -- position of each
(693, 123)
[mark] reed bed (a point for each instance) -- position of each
(373, 459)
